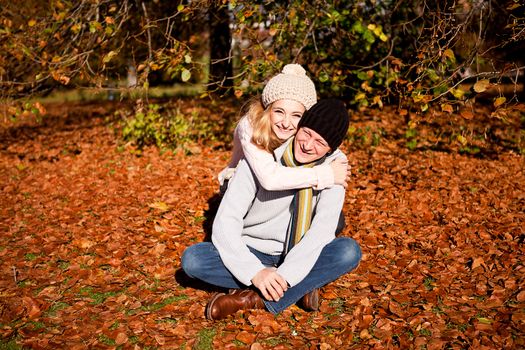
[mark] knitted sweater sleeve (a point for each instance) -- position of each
(302, 257)
(228, 226)
(242, 128)
(274, 177)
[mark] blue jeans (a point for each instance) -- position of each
(202, 261)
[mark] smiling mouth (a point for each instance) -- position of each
(284, 129)
(304, 151)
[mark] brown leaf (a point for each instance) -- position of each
(159, 339)
(32, 308)
(121, 338)
(521, 296)
(467, 114)
(477, 262)
(481, 85)
(246, 337)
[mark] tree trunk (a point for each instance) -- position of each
(220, 79)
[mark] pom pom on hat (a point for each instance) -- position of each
(291, 84)
(329, 118)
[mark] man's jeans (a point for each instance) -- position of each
(338, 257)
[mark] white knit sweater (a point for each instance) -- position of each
(251, 216)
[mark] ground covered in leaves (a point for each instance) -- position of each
(92, 232)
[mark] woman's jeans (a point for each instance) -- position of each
(338, 257)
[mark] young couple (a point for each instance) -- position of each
(273, 238)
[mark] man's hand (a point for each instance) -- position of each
(270, 283)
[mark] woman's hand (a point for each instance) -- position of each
(341, 171)
(270, 283)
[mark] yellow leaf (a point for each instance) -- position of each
(377, 100)
(463, 141)
(31, 23)
(359, 96)
(422, 98)
(371, 26)
(457, 93)
(481, 85)
(485, 320)
(160, 206)
(109, 56)
(499, 101)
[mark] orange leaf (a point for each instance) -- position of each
(467, 114)
(521, 296)
(477, 262)
(160, 339)
(246, 337)
(447, 108)
(121, 338)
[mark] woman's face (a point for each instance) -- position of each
(284, 116)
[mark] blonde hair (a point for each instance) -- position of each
(263, 135)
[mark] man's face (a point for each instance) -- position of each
(309, 146)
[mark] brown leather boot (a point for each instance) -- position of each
(222, 305)
(310, 301)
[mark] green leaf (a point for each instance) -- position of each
(187, 58)
(362, 75)
(323, 77)
(358, 27)
(369, 36)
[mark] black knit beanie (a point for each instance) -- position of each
(328, 118)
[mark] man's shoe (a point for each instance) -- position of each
(222, 305)
(310, 301)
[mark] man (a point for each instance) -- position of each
(274, 248)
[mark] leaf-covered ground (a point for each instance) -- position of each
(91, 236)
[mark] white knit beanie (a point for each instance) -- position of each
(291, 84)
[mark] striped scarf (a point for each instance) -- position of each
(301, 204)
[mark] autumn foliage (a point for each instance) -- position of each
(92, 231)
